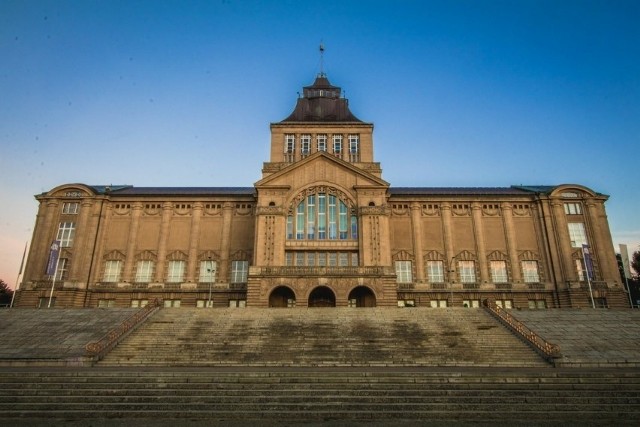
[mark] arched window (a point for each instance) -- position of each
(321, 216)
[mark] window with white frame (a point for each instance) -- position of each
(106, 303)
(175, 271)
(572, 208)
(62, 271)
(471, 303)
(403, 272)
(354, 148)
(305, 145)
(321, 141)
(467, 271)
(144, 271)
(499, 271)
(112, 270)
(337, 145)
(537, 304)
(504, 303)
(239, 271)
(438, 303)
(237, 303)
(70, 208)
(530, 271)
(322, 216)
(435, 271)
(208, 270)
(139, 303)
(577, 234)
(289, 147)
(66, 233)
(172, 303)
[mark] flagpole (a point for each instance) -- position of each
(586, 270)
(53, 283)
(15, 290)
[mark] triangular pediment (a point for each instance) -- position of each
(321, 167)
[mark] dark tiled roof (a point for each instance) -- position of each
(176, 191)
(457, 191)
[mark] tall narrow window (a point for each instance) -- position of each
(144, 271)
(70, 208)
(467, 271)
(239, 271)
(208, 269)
(322, 216)
(530, 271)
(403, 272)
(300, 222)
(305, 145)
(577, 234)
(62, 271)
(582, 274)
(112, 269)
(354, 149)
(66, 233)
(572, 209)
(344, 225)
(289, 147)
(311, 216)
(175, 272)
(322, 142)
(337, 145)
(435, 271)
(333, 232)
(499, 271)
(289, 226)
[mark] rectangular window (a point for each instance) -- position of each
(288, 258)
(572, 208)
(537, 304)
(438, 303)
(471, 303)
(354, 227)
(337, 145)
(66, 232)
(435, 271)
(144, 271)
(106, 303)
(333, 230)
(354, 150)
(311, 216)
(112, 271)
(322, 142)
(577, 234)
(499, 271)
(322, 259)
(289, 147)
(175, 272)
(237, 303)
(311, 259)
(169, 303)
(530, 271)
(208, 269)
(70, 208)
(343, 259)
(506, 303)
(300, 222)
(299, 259)
(322, 216)
(343, 225)
(239, 271)
(333, 259)
(467, 271)
(403, 272)
(289, 226)
(354, 259)
(139, 303)
(62, 271)
(305, 145)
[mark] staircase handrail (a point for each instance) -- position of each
(97, 349)
(548, 350)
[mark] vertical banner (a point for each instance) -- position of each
(54, 253)
(588, 261)
(624, 255)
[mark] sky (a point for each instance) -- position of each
(471, 93)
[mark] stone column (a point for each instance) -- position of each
(602, 242)
(564, 241)
(445, 209)
(416, 225)
(167, 210)
(128, 275)
(225, 247)
(480, 244)
(512, 244)
(82, 235)
(192, 267)
(43, 235)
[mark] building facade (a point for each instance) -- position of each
(321, 228)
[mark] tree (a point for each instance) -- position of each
(5, 293)
(635, 262)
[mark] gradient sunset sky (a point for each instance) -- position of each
(470, 93)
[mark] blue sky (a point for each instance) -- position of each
(181, 93)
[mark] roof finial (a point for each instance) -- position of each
(321, 58)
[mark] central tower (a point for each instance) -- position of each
(321, 210)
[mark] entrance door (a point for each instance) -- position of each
(322, 296)
(362, 296)
(282, 297)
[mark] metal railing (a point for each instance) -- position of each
(98, 349)
(548, 350)
(322, 271)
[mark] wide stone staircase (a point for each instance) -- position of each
(299, 396)
(323, 337)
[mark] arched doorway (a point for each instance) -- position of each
(362, 296)
(282, 297)
(322, 296)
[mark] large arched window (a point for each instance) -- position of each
(321, 216)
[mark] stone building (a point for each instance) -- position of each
(322, 228)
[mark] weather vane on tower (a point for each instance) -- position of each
(321, 58)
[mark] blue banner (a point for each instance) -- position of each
(588, 261)
(53, 258)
